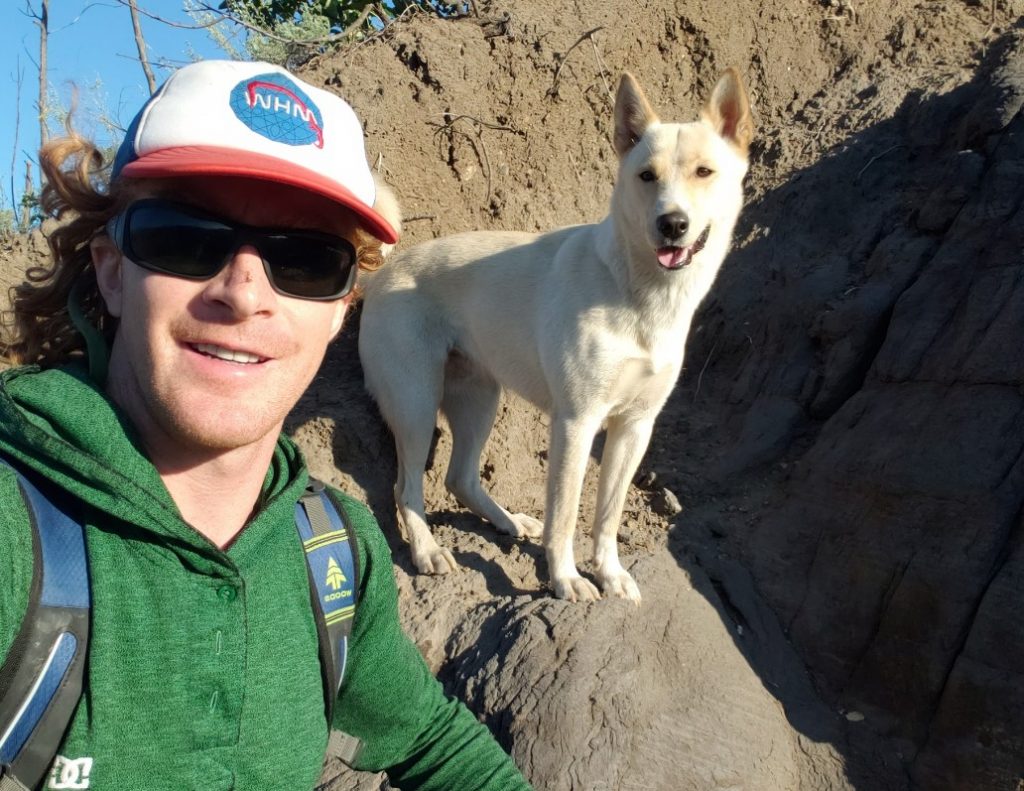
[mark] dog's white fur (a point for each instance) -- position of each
(586, 322)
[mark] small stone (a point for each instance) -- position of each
(854, 716)
(667, 503)
(647, 480)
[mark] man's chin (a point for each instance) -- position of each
(213, 428)
(231, 433)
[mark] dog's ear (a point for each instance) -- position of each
(728, 111)
(386, 205)
(632, 114)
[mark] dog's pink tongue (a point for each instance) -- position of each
(672, 257)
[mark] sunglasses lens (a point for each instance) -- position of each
(179, 241)
(310, 266)
(172, 241)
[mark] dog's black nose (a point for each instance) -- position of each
(673, 225)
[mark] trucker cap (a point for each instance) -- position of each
(255, 120)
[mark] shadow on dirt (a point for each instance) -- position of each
(792, 332)
(490, 543)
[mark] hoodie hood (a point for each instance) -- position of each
(59, 424)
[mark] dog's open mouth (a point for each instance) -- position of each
(678, 257)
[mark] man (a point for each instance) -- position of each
(215, 269)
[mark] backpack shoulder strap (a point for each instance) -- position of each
(333, 580)
(41, 679)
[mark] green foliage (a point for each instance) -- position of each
(30, 201)
(25, 216)
(340, 14)
(292, 42)
(289, 32)
(8, 223)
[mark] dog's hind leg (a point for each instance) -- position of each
(406, 382)
(413, 447)
(624, 446)
(470, 404)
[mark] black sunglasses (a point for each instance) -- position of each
(181, 240)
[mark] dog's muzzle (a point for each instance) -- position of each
(678, 257)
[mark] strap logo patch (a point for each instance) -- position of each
(333, 572)
(70, 773)
(273, 106)
(335, 576)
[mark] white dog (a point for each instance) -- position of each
(587, 322)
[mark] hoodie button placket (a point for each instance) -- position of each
(220, 676)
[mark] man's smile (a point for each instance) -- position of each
(230, 355)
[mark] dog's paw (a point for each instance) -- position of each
(621, 585)
(434, 560)
(527, 526)
(518, 525)
(576, 588)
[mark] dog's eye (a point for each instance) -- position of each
(704, 172)
(647, 175)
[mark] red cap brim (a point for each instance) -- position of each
(213, 161)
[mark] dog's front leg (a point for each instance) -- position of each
(624, 446)
(571, 439)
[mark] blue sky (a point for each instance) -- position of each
(91, 44)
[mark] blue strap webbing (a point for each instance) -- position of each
(62, 542)
(332, 574)
(45, 687)
(49, 674)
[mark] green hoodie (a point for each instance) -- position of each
(203, 668)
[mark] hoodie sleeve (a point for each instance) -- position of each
(410, 729)
(15, 559)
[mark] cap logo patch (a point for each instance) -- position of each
(273, 106)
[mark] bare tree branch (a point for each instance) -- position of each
(42, 19)
(81, 13)
(219, 16)
(17, 126)
(171, 23)
(387, 23)
(353, 29)
(26, 214)
(140, 44)
(553, 90)
(451, 118)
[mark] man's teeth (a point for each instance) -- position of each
(227, 354)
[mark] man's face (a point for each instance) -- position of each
(203, 367)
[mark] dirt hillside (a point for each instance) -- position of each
(837, 603)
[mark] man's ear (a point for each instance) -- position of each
(107, 263)
(338, 317)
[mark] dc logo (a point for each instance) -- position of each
(273, 106)
(70, 773)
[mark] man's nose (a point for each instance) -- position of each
(242, 284)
